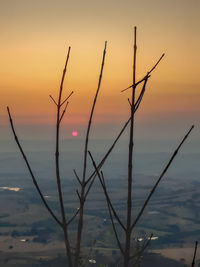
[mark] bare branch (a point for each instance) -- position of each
(129, 102)
(78, 195)
(195, 251)
(111, 218)
(144, 78)
(89, 187)
(140, 97)
(63, 77)
(161, 176)
(63, 113)
(106, 193)
(73, 217)
(109, 151)
(130, 161)
(66, 98)
(76, 175)
(53, 100)
(91, 114)
(80, 223)
(120, 133)
(156, 63)
(57, 163)
(30, 170)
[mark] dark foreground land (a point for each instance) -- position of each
(149, 260)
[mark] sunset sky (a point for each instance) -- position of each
(34, 39)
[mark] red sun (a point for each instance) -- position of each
(74, 133)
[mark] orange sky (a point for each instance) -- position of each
(34, 40)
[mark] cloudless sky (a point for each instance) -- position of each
(34, 39)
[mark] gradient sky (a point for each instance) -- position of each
(34, 39)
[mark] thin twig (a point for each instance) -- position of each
(161, 176)
(91, 114)
(109, 151)
(82, 195)
(129, 102)
(105, 192)
(195, 251)
(89, 187)
(30, 170)
(53, 100)
(137, 103)
(140, 97)
(156, 63)
(140, 81)
(130, 161)
(57, 162)
(73, 217)
(76, 175)
(78, 194)
(66, 98)
(63, 113)
(111, 218)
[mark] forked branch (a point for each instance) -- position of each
(161, 176)
(105, 192)
(57, 163)
(137, 104)
(148, 73)
(112, 221)
(67, 98)
(63, 113)
(30, 170)
(83, 181)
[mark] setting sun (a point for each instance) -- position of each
(74, 133)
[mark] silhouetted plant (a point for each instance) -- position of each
(74, 259)
(86, 181)
(127, 227)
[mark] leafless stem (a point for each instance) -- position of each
(63, 113)
(161, 176)
(111, 218)
(137, 103)
(30, 170)
(73, 217)
(144, 78)
(78, 194)
(129, 102)
(140, 97)
(67, 98)
(109, 204)
(53, 100)
(109, 151)
(82, 195)
(156, 64)
(57, 162)
(76, 175)
(130, 164)
(195, 251)
(105, 192)
(90, 186)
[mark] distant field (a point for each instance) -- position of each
(172, 215)
(180, 254)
